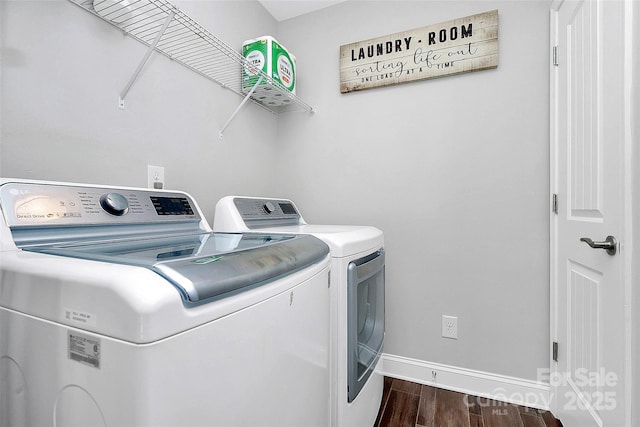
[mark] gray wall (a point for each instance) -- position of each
(454, 171)
(62, 72)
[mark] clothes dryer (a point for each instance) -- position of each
(120, 307)
(357, 297)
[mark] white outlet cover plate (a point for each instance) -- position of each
(155, 174)
(450, 327)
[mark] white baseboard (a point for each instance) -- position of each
(519, 391)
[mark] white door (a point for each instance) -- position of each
(588, 284)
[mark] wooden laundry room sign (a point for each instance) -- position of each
(459, 46)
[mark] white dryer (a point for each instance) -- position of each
(357, 298)
(120, 307)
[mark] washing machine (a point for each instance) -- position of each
(357, 298)
(120, 307)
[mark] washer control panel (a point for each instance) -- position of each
(34, 204)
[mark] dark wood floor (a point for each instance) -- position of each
(414, 405)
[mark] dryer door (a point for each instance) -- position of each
(365, 319)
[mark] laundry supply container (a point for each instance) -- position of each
(267, 55)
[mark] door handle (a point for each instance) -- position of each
(610, 244)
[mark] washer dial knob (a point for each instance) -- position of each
(114, 203)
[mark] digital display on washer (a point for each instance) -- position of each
(288, 209)
(171, 205)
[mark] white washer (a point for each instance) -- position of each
(120, 307)
(357, 298)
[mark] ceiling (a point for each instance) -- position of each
(286, 9)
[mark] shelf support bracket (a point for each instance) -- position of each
(235, 113)
(150, 50)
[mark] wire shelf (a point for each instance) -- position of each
(167, 30)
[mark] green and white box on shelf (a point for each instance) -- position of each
(267, 55)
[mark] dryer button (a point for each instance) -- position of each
(269, 207)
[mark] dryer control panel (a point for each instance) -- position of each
(258, 212)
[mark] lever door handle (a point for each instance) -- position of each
(610, 244)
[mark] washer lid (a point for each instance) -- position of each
(205, 266)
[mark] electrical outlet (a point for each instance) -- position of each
(450, 327)
(155, 177)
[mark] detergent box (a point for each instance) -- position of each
(267, 55)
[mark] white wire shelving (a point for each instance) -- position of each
(164, 28)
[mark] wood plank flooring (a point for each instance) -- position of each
(407, 404)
